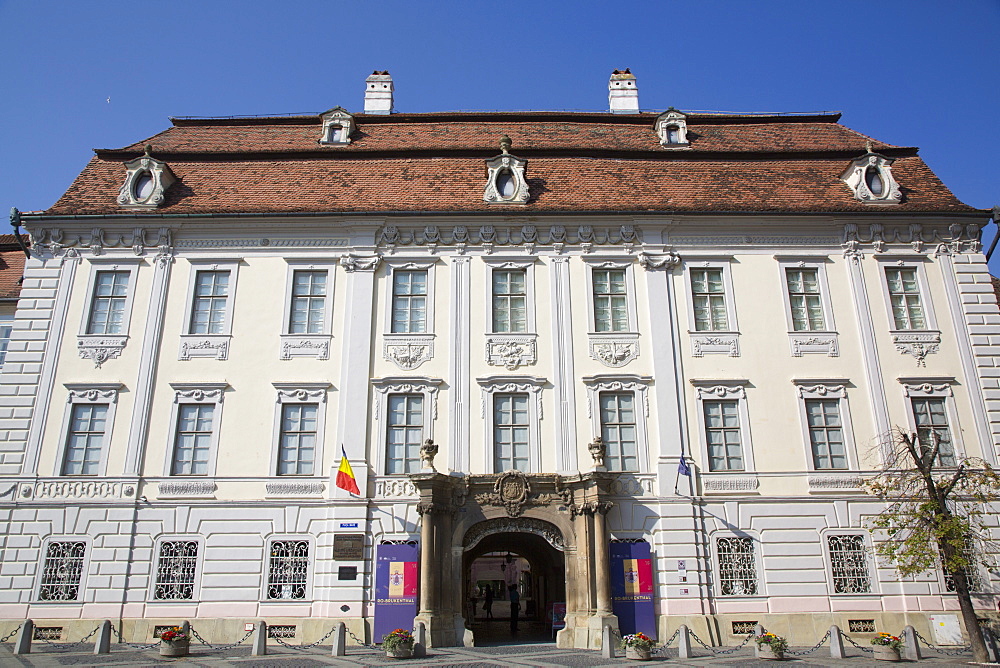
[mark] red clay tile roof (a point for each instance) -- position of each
(11, 266)
(576, 162)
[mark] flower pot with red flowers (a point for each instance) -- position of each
(886, 646)
(174, 642)
(398, 644)
(638, 646)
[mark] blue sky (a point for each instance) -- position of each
(909, 72)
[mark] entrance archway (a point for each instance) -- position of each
(525, 553)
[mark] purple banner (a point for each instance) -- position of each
(632, 588)
(395, 588)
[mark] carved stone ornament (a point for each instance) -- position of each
(597, 451)
(408, 352)
(76, 489)
(870, 179)
(511, 490)
(927, 388)
(146, 182)
(591, 508)
(510, 351)
(649, 262)
(100, 348)
(194, 488)
(395, 487)
(214, 394)
(731, 483)
(428, 450)
(95, 394)
(196, 345)
(352, 263)
(506, 181)
(286, 395)
(813, 343)
(918, 345)
(835, 482)
(715, 344)
(317, 347)
(615, 350)
(627, 484)
(549, 532)
(294, 488)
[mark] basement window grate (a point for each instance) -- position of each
(861, 625)
(743, 628)
(281, 631)
(48, 633)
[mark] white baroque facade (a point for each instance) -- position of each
(198, 338)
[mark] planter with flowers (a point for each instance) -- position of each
(398, 644)
(887, 646)
(770, 646)
(637, 646)
(174, 642)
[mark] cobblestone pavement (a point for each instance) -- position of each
(536, 655)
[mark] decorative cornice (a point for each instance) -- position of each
(185, 488)
(555, 236)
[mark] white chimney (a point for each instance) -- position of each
(623, 94)
(378, 93)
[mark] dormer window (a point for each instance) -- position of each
(870, 179)
(146, 182)
(338, 125)
(505, 177)
(671, 128)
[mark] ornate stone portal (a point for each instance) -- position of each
(568, 512)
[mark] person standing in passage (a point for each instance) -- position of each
(488, 602)
(515, 607)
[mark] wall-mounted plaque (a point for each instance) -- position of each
(349, 546)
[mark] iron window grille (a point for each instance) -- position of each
(744, 628)
(972, 574)
(849, 563)
(861, 626)
(62, 571)
(737, 566)
(287, 571)
(175, 570)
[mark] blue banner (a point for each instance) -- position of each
(632, 588)
(396, 592)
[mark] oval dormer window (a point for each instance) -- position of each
(336, 133)
(873, 179)
(673, 135)
(505, 184)
(143, 187)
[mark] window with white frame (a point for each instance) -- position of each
(288, 569)
(511, 405)
(618, 407)
(510, 300)
(176, 570)
(209, 305)
(62, 570)
(618, 431)
(87, 428)
(611, 312)
(297, 444)
(737, 566)
(931, 417)
(905, 298)
(85, 440)
(409, 301)
(404, 433)
(849, 564)
(5, 334)
(194, 439)
(405, 409)
(107, 305)
(511, 444)
(307, 311)
(723, 425)
(299, 428)
(805, 299)
(708, 299)
(826, 433)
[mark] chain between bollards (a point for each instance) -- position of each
(813, 649)
(69, 645)
(359, 641)
(868, 650)
(11, 634)
(947, 652)
(220, 647)
(305, 647)
(662, 649)
(133, 645)
(721, 651)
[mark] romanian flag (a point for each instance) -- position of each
(402, 579)
(345, 476)
(638, 576)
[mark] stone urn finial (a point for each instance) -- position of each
(427, 452)
(597, 451)
(505, 144)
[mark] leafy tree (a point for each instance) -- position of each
(934, 515)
